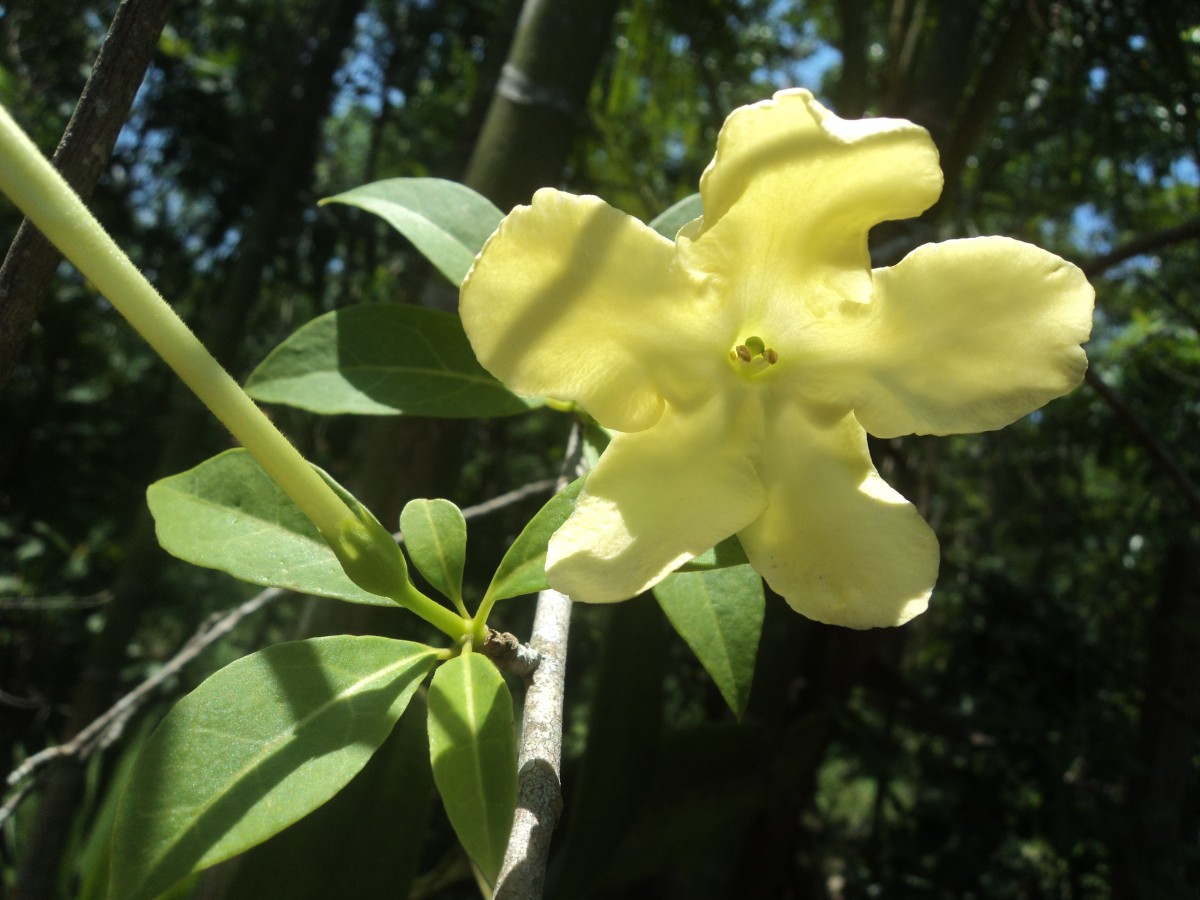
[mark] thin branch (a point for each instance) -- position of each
(1124, 410)
(86, 145)
(107, 727)
(539, 755)
(1147, 438)
(514, 496)
(41, 604)
(7, 699)
(1149, 243)
(14, 800)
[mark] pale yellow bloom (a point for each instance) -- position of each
(744, 363)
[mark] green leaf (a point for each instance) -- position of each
(365, 843)
(719, 614)
(382, 359)
(91, 859)
(473, 750)
(668, 222)
(260, 744)
(228, 514)
(435, 534)
(448, 222)
(523, 569)
(726, 554)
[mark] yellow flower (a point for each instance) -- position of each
(744, 363)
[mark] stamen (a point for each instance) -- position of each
(754, 354)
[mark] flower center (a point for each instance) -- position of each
(753, 357)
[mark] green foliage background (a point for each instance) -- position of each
(1033, 735)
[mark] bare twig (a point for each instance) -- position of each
(41, 604)
(539, 756)
(515, 496)
(14, 800)
(1147, 244)
(106, 728)
(1147, 438)
(7, 699)
(31, 261)
(1145, 435)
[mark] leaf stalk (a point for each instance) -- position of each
(42, 194)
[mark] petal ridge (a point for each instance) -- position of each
(970, 335)
(795, 184)
(573, 299)
(657, 498)
(837, 542)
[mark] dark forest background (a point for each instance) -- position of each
(1033, 735)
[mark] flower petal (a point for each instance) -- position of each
(575, 300)
(836, 541)
(969, 335)
(659, 497)
(789, 198)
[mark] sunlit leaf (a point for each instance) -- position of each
(435, 534)
(719, 614)
(448, 222)
(260, 744)
(668, 222)
(92, 859)
(365, 843)
(473, 749)
(523, 568)
(382, 359)
(228, 514)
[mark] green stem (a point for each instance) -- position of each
(42, 194)
(479, 622)
(49, 202)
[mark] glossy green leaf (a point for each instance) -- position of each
(365, 843)
(719, 614)
(260, 744)
(91, 859)
(382, 359)
(523, 568)
(435, 534)
(448, 222)
(473, 750)
(726, 554)
(228, 514)
(668, 222)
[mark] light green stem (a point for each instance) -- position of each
(49, 202)
(479, 622)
